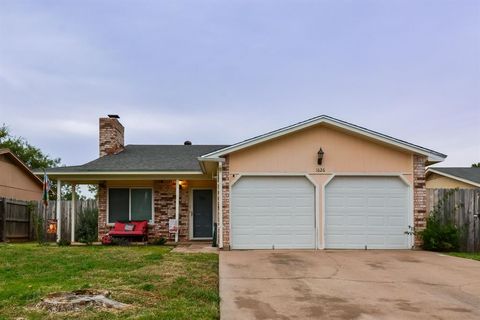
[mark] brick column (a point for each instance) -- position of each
(102, 211)
(226, 203)
(164, 207)
(419, 196)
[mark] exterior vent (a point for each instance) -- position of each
(187, 143)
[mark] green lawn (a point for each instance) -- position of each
(159, 284)
(473, 256)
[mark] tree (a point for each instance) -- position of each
(32, 156)
(476, 165)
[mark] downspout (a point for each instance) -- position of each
(177, 207)
(220, 204)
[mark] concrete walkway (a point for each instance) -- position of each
(201, 247)
(348, 285)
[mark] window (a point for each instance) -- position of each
(125, 204)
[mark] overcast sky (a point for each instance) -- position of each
(223, 71)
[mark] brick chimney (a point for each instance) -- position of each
(111, 135)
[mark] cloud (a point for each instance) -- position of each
(220, 72)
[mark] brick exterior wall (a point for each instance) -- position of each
(419, 196)
(102, 210)
(226, 203)
(111, 136)
(164, 209)
(164, 206)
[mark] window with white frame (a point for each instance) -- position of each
(127, 204)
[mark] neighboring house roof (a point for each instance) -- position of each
(21, 164)
(467, 175)
(433, 156)
(146, 158)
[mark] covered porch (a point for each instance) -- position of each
(178, 207)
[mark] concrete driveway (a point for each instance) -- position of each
(348, 285)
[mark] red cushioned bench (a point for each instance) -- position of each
(140, 229)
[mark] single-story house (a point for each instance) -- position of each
(452, 178)
(17, 181)
(320, 183)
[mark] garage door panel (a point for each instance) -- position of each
(282, 206)
(376, 221)
(369, 211)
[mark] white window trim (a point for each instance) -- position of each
(152, 218)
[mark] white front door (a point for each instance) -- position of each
(367, 212)
(273, 212)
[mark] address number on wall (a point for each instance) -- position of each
(321, 169)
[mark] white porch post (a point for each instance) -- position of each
(59, 211)
(177, 207)
(72, 232)
(220, 204)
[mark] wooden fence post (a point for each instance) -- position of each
(3, 215)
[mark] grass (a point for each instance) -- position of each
(160, 284)
(473, 256)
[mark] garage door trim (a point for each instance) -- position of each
(410, 218)
(238, 176)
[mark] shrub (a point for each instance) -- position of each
(63, 242)
(158, 241)
(119, 241)
(87, 226)
(39, 225)
(439, 236)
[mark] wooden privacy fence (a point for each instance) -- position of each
(17, 218)
(66, 212)
(462, 208)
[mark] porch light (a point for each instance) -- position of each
(181, 183)
(320, 154)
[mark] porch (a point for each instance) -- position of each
(190, 204)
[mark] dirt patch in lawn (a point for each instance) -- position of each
(79, 300)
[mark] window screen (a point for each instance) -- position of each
(118, 205)
(141, 204)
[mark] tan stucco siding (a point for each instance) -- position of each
(15, 183)
(436, 181)
(297, 152)
(344, 153)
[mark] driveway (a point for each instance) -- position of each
(348, 285)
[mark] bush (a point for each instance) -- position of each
(63, 243)
(120, 241)
(39, 225)
(87, 226)
(158, 241)
(439, 236)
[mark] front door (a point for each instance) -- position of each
(202, 213)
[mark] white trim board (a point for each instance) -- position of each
(433, 156)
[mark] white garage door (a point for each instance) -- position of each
(366, 211)
(273, 212)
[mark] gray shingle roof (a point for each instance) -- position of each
(471, 174)
(147, 158)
